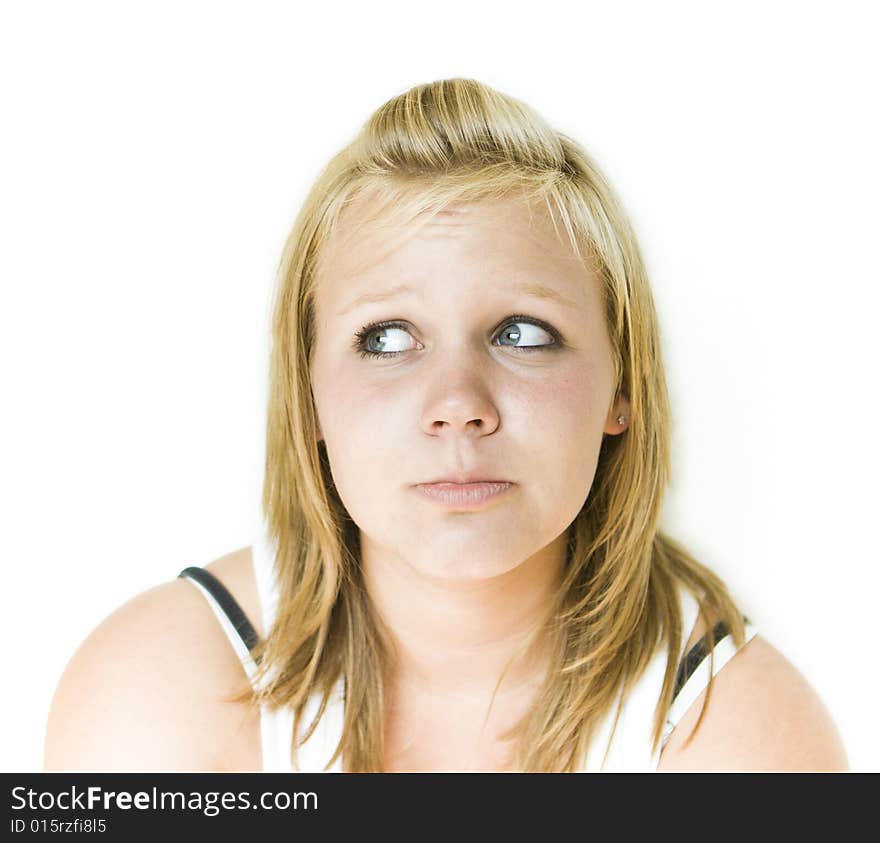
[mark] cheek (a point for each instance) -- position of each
(364, 424)
(566, 409)
(559, 425)
(550, 436)
(356, 410)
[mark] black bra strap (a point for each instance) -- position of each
(697, 655)
(227, 603)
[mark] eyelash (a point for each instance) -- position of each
(360, 338)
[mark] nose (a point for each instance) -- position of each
(458, 402)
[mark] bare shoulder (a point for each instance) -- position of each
(149, 688)
(762, 715)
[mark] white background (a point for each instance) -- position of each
(154, 156)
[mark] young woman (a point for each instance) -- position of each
(468, 448)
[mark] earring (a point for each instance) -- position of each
(621, 419)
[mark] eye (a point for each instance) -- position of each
(529, 331)
(370, 342)
(365, 345)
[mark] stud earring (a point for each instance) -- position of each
(621, 419)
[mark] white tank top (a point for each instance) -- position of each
(630, 749)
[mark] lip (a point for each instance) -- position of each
(462, 478)
(464, 496)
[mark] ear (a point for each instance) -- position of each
(619, 410)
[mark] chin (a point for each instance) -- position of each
(455, 568)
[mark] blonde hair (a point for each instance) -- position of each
(457, 140)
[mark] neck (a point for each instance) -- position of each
(458, 638)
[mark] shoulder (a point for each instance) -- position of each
(148, 689)
(762, 715)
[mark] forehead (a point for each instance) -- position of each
(506, 236)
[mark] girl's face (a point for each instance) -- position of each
(474, 346)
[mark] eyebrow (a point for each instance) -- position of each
(531, 288)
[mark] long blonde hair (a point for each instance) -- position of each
(458, 140)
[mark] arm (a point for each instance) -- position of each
(145, 691)
(762, 716)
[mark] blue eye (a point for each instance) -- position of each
(532, 332)
(368, 341)
(364, 337)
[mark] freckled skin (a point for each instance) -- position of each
(456, 398)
